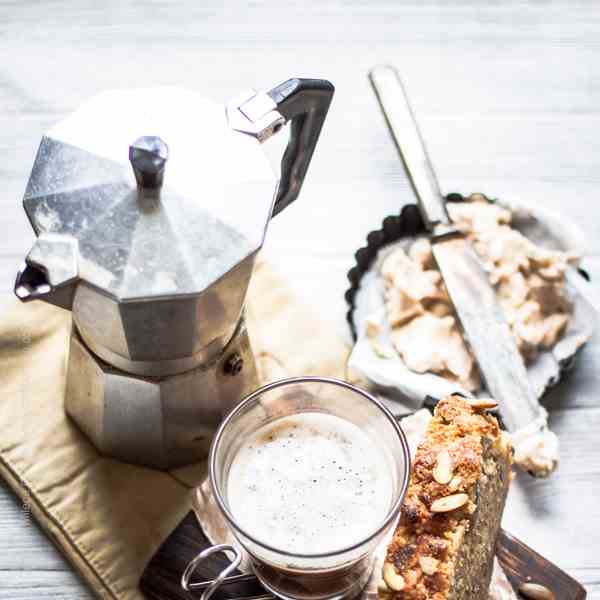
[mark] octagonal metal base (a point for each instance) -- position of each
(159, 422)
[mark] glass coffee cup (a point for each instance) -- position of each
(309, 474)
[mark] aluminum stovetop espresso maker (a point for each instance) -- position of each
(149, 208)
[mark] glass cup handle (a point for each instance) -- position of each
(209, 587)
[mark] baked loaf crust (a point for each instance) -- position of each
(443, 547)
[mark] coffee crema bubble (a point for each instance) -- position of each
(309, 483)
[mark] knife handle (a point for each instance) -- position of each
(403, 126)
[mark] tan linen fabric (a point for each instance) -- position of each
(108, 517)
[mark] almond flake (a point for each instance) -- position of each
(394, 580)
(449, 503)
(535, 591)
(482, 403)
(428, 564)
(455, 483)
(444, 467)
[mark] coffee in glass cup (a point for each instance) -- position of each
(310, 473)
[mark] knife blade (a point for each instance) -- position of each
(477, 308)
(488, 334)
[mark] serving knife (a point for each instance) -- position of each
(476, 305)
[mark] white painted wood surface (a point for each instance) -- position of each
(508, 96)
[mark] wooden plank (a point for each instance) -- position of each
(41, 584)
(554, 515)
(30, 567)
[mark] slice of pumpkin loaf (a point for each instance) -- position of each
(443, 548)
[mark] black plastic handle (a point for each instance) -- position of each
(305, 103)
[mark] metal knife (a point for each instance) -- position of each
(478, 310)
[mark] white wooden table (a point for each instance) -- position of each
(509, 100)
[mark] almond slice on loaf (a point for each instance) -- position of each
(443, 547)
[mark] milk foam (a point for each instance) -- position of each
(309, 483)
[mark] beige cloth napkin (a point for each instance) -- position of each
(108, 517)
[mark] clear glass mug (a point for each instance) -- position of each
(331, 575)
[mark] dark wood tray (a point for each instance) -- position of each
(161, 579)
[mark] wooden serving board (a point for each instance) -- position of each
(161, 578)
